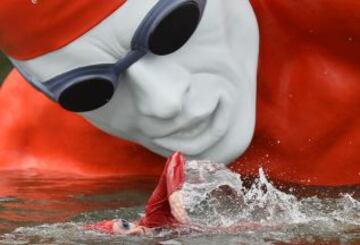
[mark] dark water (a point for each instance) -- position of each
(43, 208)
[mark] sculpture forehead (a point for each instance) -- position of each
(47, 22)
(111, 39)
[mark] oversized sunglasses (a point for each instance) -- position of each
(164, 30)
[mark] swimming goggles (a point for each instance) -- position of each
(164, 30)
(123, 223)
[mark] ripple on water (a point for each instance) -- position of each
(256, 214)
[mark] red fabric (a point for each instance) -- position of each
(105, 226)
(157, 210)
(37, 133)
(308, 100)
(28, 30)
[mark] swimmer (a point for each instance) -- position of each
(165, 208)
(152, 223)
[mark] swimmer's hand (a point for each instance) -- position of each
(177, 206)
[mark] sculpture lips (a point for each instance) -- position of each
(207, 134)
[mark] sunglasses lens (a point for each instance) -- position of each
(175, 29)
(87, 95)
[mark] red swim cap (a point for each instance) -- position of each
(29, 28)
(105, 226)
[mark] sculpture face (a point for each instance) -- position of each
(199, 100)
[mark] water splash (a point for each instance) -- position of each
(215, 198)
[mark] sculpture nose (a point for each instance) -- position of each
(158, 94)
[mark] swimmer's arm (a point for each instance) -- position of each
(176, 201)
(177, 206)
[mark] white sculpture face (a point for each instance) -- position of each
(199, 100)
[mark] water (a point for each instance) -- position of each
(43, 208)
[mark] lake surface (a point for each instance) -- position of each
(44, 208)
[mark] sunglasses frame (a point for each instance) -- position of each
(54, 87)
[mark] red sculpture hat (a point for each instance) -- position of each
(32, 28)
